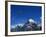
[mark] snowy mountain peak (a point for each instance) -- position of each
(31, 20)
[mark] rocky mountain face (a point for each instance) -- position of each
(30, 25)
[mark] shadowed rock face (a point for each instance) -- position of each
(30, 26)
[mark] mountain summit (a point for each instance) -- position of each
(31, 20)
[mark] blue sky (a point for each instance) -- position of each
(20, 14)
